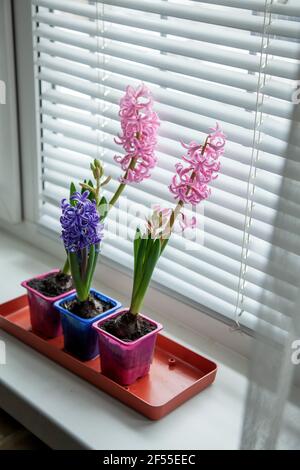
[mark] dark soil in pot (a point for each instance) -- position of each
(88, 309)
(53, 284)
(128, 327)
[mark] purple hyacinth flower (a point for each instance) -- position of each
(80, 223)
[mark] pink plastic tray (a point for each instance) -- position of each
(176, 374)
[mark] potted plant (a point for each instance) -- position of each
(136, 107)
(46, 289)
(127, 338)
(82, 233)
(43, 291)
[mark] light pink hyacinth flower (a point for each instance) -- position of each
(139, 134)
(159, 225)
(190, 183)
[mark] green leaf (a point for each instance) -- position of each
(150, 262)
(83, 189)
(148, 268)
(97, 252)
(76, 276)
(138, 271)
(136, 245)
(150, 243)
(90, 269)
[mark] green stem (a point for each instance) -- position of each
(117, 194)
(84, 262)
(173, 218)
(76, 275)
(145, 246)
(136, 303)
(90, 268)
(82, 278)
(66, 268)
(97, 192)
(121, 186)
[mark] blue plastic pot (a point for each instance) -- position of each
(81, 340)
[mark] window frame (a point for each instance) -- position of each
(28, 104)
(159, 300)
(10, 201)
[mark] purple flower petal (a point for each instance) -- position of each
(80, 224)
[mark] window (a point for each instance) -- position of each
(10, 200)
(231, 61)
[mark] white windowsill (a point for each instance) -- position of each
(66, 412)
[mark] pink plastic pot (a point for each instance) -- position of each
(122, 361)
(45, 319)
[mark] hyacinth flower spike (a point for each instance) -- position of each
(189, 186)
(139, 123)
(190, 183)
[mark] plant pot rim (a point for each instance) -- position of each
(97, 323)
(72, 295)
(39, 294)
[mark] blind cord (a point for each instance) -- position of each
(255, 154)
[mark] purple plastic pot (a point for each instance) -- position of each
(45, 319)
(122, 361)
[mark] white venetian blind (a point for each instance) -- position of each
(231, 61)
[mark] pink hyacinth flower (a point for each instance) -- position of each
(139, 125)
(159, 223)
(190, 183)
